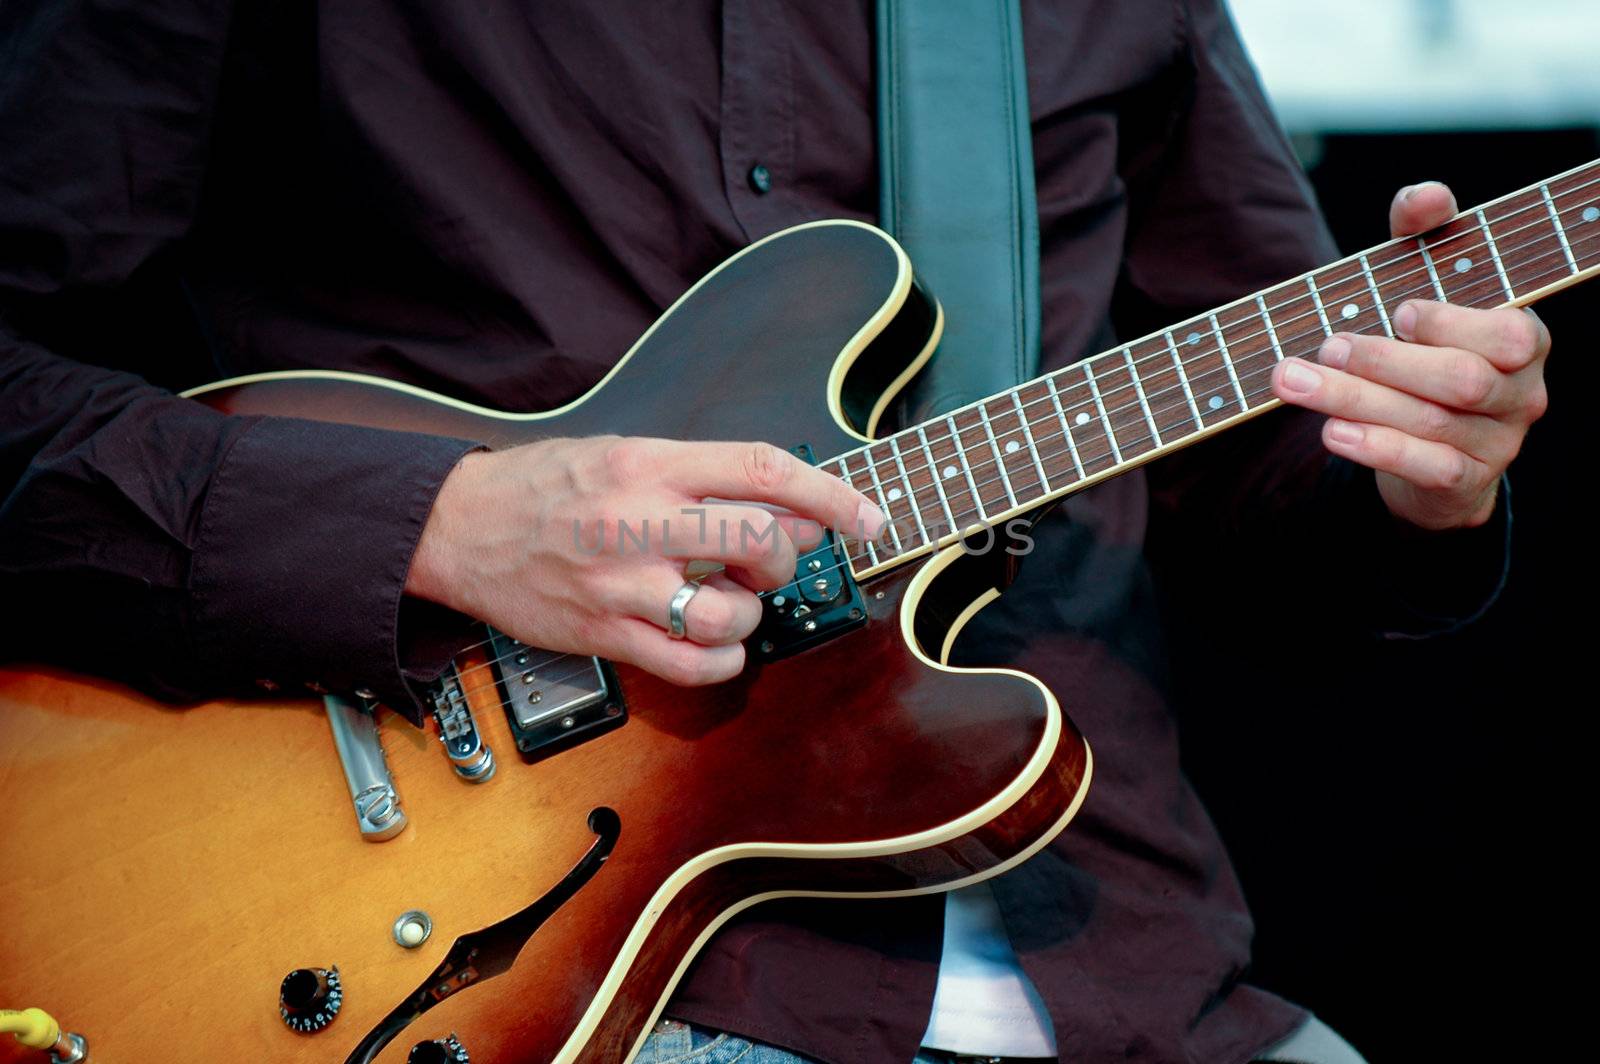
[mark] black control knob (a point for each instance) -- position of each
(309, 998)
(439, 1051)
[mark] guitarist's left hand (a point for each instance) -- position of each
(1440, 411)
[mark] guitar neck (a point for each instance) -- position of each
(1012, 452)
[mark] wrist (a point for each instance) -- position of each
(1419, 514)
(434, 574)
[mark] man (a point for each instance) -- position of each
(493, 200)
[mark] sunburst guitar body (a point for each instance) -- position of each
(164, 869)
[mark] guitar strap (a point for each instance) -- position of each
(955, 158)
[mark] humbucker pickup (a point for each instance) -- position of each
(551, 699)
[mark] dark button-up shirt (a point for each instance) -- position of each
(493, 200)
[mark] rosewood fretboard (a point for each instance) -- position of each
(1014, 451)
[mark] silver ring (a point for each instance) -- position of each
(675, 608)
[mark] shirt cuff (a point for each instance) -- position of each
(299, 569)
(1434, 583)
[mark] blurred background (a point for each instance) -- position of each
(1411, 821)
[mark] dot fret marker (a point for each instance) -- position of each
(1192, 339)
(1012, 447)
(1463, 265)
(1591, 214)
(1350, 310)
(1215, 402)
(949, 471)
(894, 493)
(1081, 419)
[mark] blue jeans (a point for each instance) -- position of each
(678, 1043)
(672, 1042)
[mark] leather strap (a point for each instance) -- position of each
(955, 157)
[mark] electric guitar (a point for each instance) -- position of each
(233, 877)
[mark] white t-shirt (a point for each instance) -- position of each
(984, 1005)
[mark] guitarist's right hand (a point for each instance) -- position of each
(578, 545)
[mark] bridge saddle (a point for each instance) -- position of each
(458, 731)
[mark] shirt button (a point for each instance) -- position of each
(760, 179)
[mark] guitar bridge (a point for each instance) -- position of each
(458, 731)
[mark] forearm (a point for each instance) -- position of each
(194, 554)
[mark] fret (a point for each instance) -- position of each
(1272, 334)
(894, 532)
(999, 461)
(1099, 404)
(1577, 199)
(1322, 312)
(1066, 430)
(961, 452)
(1561, 231)
(934, 476)
(1433, 271)
(911, 493)
(844, 467)
(947, 453)
(1162, 387)
(1048, 440)
(1530, 247)
(1227, 360)
(1377, 300)
(1494, 253)
(1463, 256)
(1033, 448)
(1016, 450)
(1183, 378)
(1212, 389)
(1138, 387)
(1347, 298)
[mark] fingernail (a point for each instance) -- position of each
(1335, 352)
(871, 520)
(1411, 190)
(1298, 377)
(1405, 321)
(1345, 432)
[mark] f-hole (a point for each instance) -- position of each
(482, 955)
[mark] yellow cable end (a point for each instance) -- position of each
(34, 1028)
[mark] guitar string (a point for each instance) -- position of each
(534, 667)
(1210, 347)
(1081, 407)
(1046, 437)
(1089, 460)
(880, 463)
(1358, 277)
(888, 470)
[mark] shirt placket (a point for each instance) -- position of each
(758, 110)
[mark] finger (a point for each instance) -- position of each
(760, 472)
(1353, 398)
(1418, 208)
(721, 612)
(747, 538)
(1430, 466)
(1461, 380)
(677, 661)
(1510, 338)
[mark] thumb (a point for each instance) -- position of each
(1418, 208)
